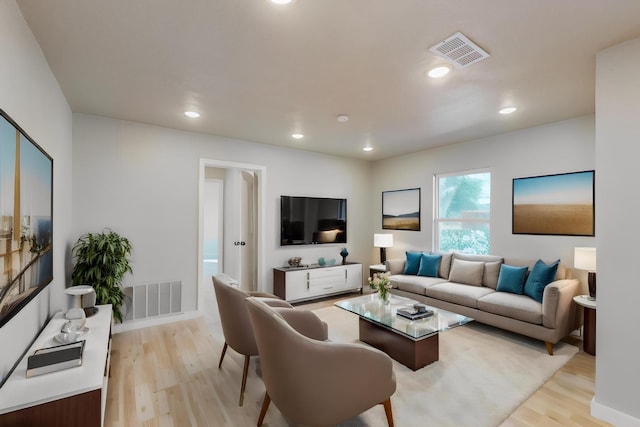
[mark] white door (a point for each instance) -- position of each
(239, 227)
(242, 249)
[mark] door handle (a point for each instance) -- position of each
(237, 243)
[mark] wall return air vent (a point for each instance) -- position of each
(459, 50)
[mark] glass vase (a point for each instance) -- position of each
(384, 297)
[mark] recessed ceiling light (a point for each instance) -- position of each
(508, 110)
(192, 114)
(281, 1)
(439, 71)
(297, 135)
(343, 118)
(367, 148)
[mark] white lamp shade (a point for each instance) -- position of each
(383, 240)
(585, 259)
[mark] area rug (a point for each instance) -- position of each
(482, 376)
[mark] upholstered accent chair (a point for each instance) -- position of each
(236, 326)
(317, 382)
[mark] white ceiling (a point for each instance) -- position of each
(260, 72)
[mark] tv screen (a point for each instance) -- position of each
(312, 220)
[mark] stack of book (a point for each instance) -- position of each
(414, 313)
(57, 358)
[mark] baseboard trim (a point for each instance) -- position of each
(161, 320)
(612, 416)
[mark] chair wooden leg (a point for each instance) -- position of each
(224, 351)
(387, 411)
(244, 378)
(265, 405)
(549, 348)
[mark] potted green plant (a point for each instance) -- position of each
(102, 260)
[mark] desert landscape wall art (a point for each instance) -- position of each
(401, 209)
(561, 204)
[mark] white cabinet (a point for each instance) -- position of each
(68, 398)
(300, 284)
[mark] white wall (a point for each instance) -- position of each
(566, 146)
(617, 139)
(142, 181)
(31, 96)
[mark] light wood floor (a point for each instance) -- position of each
(168, 376)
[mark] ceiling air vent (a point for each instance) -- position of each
(459, 51)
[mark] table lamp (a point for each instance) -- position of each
(383, 241)
(79, 291)
(585, 259)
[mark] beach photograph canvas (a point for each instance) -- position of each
(561, 204)
(401, 209)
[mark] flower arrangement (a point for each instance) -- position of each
(380, 283)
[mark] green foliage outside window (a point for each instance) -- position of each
(464, 213)
(465, 240)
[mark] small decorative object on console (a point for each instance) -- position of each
(72, 331)
(380, 283)
(343, 254)
(56, 358)
(294, 261)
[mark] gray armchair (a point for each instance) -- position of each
(236, 326)
(315, 382)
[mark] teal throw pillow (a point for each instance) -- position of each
(541, 275)
(429, 265)
(412, 263)
(511, 279)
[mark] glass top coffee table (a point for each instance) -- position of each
(414, 343)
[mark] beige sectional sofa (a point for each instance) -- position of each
(549, 321)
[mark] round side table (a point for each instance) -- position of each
(589, 307)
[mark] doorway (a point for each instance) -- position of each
(230, 232)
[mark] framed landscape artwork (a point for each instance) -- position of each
(401, 209)
(561, 204)
(26, 206)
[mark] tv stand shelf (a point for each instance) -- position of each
(296, 284)
(71, 397)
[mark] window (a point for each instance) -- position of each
(462, 213)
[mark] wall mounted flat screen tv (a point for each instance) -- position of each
(312, 220)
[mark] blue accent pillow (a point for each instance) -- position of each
(412, 263)
(541, 275)
(511, 279)
(429, 265)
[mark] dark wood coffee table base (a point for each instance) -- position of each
(411, 353)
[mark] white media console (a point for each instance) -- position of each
(297, 284)
(67, 398)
